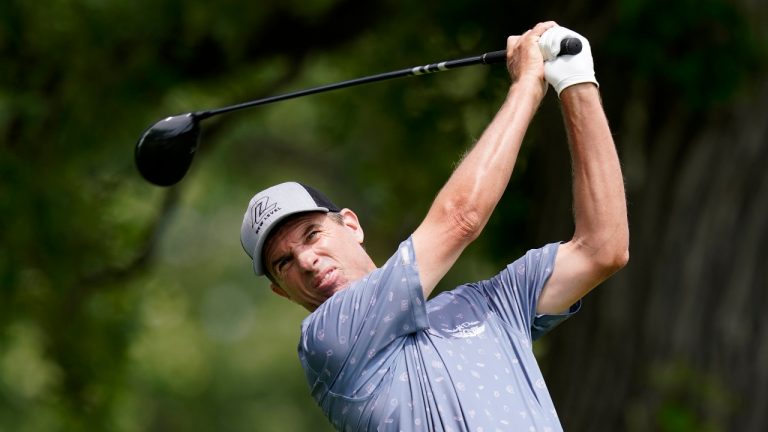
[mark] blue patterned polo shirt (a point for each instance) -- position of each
(379, 358)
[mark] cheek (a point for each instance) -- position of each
(354, 255)
(292, 284)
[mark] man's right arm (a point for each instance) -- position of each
(600, 243)
(464, 205)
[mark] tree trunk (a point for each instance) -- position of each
(676, 340)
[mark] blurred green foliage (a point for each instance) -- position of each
(126, 307)
(704, 50)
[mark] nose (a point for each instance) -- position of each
(307, 258)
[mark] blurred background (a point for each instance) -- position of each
(128, 307)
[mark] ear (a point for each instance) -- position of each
(352, 223)
(279, 291)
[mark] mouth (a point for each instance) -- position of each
(327, 281)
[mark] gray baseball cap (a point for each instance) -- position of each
(272, 205)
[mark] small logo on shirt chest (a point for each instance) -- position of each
(466, 330)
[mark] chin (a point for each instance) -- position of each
(344, 284)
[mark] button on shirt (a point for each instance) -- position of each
(379, 358)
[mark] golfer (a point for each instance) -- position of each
(377, 355)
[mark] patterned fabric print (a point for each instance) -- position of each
(377, 357)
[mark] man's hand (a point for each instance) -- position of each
(524, 58)
(565, 71)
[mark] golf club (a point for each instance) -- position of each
(165, 150)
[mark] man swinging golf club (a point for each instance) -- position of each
(377, 355)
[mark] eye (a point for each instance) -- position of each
(282, 265)
(312, 235)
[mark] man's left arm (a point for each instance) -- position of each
(600, 244)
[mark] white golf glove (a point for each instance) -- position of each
(567, 70)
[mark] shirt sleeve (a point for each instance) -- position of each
(347, 339)
(514, 293)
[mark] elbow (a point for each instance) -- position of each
(608, 259)
(614, 259)
(619, 260)
(465, 222)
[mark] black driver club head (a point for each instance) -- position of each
(165, 150)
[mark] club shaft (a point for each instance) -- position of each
(567, 46)
(487, 58)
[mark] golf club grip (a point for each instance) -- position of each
(568, 46)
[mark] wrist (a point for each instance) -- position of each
(579, 91)
(529, 84)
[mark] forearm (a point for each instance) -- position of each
(600, 211)
(477, 184)
(601, 239)
(464, 205)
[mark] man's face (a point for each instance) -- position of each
(312, 256)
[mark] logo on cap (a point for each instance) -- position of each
(262, 210)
